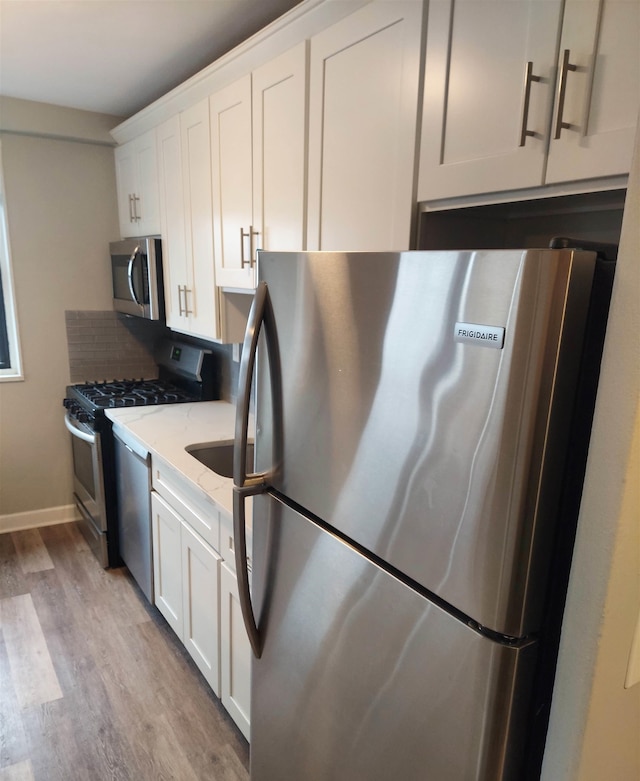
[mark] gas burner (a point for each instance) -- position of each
(133, 393)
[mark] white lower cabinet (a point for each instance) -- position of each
(187, 574)
(196, 588)
(200, 604)
(235, 653)
(167, 562)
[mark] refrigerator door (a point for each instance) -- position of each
(363, 679)
(425, 410)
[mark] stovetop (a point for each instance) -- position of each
(186, 374)
(132, 393)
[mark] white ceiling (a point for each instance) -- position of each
(117, 56)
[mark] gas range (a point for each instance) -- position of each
(131, 393)
(86, 402)
(187, 373)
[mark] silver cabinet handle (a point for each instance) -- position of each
(180, 307)
(562, 89)
(243, 236)
(529, 78)
(136, 215)
(252, 246)
(184, 310)
(250, 234)
(244, 484)
(187, 311)
(132, 216)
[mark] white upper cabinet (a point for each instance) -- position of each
(137, 187)
(230, 111)
(598, 90)
(186, 223)
(363, 100)
(484, 58)
(172, 220)
(258, 166)
(496, 93)
(279, 101)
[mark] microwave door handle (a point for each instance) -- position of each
(132, 260)
(90, 438)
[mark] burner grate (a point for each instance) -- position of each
(132, 393)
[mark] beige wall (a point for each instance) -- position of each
(62, 214)
(594, 732)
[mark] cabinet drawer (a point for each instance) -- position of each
(193, 505)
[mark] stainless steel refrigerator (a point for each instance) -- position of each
(415, 437)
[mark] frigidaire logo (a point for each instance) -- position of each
(486, 335)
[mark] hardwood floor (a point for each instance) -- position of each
(93, 683)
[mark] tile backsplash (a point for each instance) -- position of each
(107, 346)
(112, 346)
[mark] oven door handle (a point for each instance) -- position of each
(90, 438)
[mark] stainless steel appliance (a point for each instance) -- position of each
(421, 429)
(136, 272)
(186, 373)
(133, 500)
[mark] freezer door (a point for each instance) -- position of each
(425, 409)
(363, 679)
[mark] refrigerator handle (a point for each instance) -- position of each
(254, 483)
(242, 572)
(259, 314)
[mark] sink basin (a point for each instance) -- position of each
(218, 456)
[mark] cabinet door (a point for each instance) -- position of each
(235, 654)
(598, 90)
(137, 186)
(363, 99)
(200, 298)
(489, 77)
(230, 111)
(172, 222)
(147, 205)
(279, 162)
(167, 562)
(200, 600)
(126, 187)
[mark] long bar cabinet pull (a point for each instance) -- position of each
(253, 234)
(132, 216)
(180, 307)
(136, 199)
(245, 235)
(187, 311)
(529, 78)
(562, 89)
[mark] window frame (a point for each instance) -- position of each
(8, 310)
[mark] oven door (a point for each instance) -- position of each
(88, 485)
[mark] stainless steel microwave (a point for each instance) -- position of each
(136, 270)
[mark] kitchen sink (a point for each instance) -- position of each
(218, 456)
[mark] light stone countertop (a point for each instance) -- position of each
(166, 429)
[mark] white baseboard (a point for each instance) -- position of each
(32, 519)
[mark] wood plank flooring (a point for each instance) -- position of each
(93, 683)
